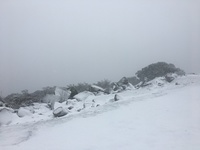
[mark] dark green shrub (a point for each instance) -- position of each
(157, 70)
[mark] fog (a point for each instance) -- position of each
(57, 42)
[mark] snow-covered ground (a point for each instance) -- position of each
(162, 116)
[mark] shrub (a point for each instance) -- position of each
(17, 100)
(157, 70)
(105, 84)
(80, 87)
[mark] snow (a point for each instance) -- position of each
(151, 118)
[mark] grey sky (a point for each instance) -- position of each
(57, 42)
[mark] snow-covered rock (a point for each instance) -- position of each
(59, 112)
(24, 112)
(64, 95)
(83, 96)
(97, 88)
(117, 97)
(6, 116)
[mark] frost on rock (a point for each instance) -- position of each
(24, 112)
(6, 116)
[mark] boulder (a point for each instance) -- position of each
(123, 81)
(24, 112)
(64, 95)
(70, 107)
(6, 116)
(83, 95)
(59, 112)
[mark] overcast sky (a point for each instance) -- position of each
(59, 42)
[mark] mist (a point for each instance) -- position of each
(48, 42)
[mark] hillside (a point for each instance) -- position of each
(159, 116)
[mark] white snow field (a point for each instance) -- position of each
(163, 117)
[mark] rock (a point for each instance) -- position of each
(123, 81)
(117, 97)
(64, 95)
(83, 96)
(24, 112)
(169, 78)
(97, 88)
(73, 92)
(6, 116)
(50, 99)
(121, 85)
(70, 107)
(79, 110)
(59, 112)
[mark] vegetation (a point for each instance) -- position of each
(157, 70)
